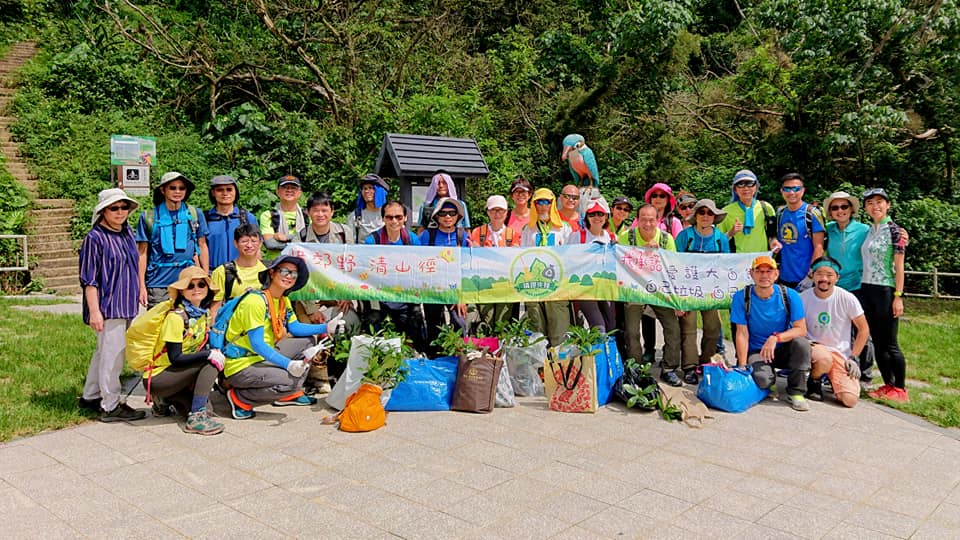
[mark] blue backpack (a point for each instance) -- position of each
(218, 333)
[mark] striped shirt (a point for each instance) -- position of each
(108, 261)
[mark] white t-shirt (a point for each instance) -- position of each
(829, 320)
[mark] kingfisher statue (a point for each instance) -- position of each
(583, 167)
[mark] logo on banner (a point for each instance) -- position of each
(536, 273)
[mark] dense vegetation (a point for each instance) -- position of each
(850, 93)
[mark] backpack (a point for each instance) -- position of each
(748, 291)
(339, 232)
(363, 410)
(583, 236)
(144, 332)
(275, 219)
(213, 215)
(380, 236)
(432, 234)
(690, 244)
(218, 332)
(230, 276)
(149, 217)
(632, 239)
(810, 213)
(507, 236)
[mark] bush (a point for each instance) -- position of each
(932, 225)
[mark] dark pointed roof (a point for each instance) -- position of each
(422, 156)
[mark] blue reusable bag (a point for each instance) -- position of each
(730, 390)
(609, 369)
(428, 385)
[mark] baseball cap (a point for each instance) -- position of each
(875, 192)
(763, 260)
(496, 201)
(623, 200)
(288, 180)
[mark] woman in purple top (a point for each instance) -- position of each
(108, 275)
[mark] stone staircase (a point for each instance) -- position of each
(53, 256)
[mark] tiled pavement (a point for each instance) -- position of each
(517, 473)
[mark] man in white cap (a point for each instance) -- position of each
(170, 237)
(111, 287)
(495, 234)
(444, 231)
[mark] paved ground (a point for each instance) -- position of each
(517, 473)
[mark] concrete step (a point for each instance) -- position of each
(51, 213)
(48, 229)
(62, 284)
(62, 244)
(54, 258)
(57, 263)
(53, 203)
(41, 225)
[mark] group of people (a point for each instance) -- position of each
(198, 260)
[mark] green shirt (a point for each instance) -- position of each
(754, 242)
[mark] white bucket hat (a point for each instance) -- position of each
(106, 198)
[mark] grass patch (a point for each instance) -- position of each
(43, 362)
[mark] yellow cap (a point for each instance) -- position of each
(764, 260)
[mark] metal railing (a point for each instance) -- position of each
(23, 243)
(936, 275)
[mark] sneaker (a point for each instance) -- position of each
(200, 423)
(798, 403)
(122, 413)
(691, 377)
(898, 395)
(302, 400)
(324, 388)
(161, 408)
(774, 394)
(89, 405)
(671, 378)
(236, 410)
(879, 393)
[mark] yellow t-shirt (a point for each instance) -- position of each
(173, 331)
(248, 277)
(252, 313)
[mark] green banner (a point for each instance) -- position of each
(434, 275)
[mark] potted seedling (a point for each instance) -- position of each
(637, 388)
(523, 353)
(451, 342)
(385, 366)
(583, 340)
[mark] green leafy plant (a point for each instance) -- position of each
(516, 333)
(584, 339)
(668, 410)
(451, 342)
(646, 396)
(385, 364)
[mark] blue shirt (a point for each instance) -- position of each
(797, 241)
(766, 316)
(691, 241)
(844, 247)
(169, 252)
(109, 261)
(220, 237)
(414, 241)
(444, 239)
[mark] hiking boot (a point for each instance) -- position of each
(671, 378)
(161, 408)
(881, 392)
(89, 405)
(302, 400)
(200, 423)
(898, 395)
(236, 410)
(122, 413)
(690, 377)
(798, 403)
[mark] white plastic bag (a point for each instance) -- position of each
(352, 376)
(522, 364)
(505, 396)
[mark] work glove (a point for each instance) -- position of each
(297, 367)
(217, 359)
(853, 368)
(336, 325)
(321, 346)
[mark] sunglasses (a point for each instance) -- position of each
(791, 189)
(659, 195)
(286, 272)
(622, 208)
(396, 217)
(835, 207)
(739, 185)
(569, 197)
(704, 212)
(596, 214)
(447, 213)
(686, 206)
(177, 188)
(197, 285)
(118, 208)
(542, 202)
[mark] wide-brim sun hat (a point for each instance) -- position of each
(445, 201)
(598, 204)
(187, 275)
(374, 179)
(166, 179)
(718, 215)
(660, 186)
(108, 197)
(302, 273)
(854, 202)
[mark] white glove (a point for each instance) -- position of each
(336, 325)
(321, 346)
(853, 368)
(297, 367)
(217, 359)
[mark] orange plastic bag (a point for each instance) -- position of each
(363, 410)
